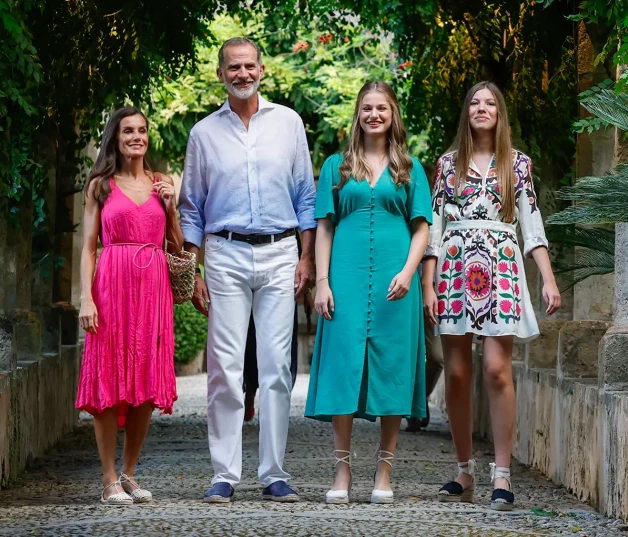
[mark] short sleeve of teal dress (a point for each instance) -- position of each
(369, 359)
(326, 195)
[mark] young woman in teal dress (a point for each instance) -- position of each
(373, 210)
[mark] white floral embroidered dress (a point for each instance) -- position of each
(480, 280)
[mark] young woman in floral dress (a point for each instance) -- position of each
(483, 189)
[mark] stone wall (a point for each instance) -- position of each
(37, 390)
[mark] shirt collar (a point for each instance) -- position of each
(262, 104)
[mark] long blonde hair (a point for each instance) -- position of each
(463, 146)
(355, 164)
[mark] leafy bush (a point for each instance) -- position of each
(190, 333)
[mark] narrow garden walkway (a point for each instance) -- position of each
(58, 495)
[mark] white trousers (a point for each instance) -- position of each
(239, 277)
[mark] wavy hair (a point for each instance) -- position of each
(108, 159)
(463, 146)
(354, 163)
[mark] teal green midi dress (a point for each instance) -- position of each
(369, 359)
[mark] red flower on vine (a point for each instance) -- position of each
(300, 45)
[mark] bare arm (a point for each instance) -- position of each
(200, 298)
(165, 189)
(430, 301)
(551, 295)
(88, 315)
(400, 284)
(305, 273)
(324, 301)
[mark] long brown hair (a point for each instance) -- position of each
(463, 146)
(355, 164)
(108, 159)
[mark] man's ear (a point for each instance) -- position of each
(219, 74)
(262, 70)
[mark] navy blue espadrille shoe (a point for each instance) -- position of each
(220, 492)
(279, 491)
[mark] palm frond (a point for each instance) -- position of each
(594, 255)
(608, 106)
(601, 240)
(601, 200)
(587, 263)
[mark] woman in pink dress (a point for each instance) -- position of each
(126, 303)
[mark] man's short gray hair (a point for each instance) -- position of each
(238, 41)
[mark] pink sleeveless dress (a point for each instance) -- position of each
(130, 360)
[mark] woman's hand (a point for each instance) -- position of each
(167, 194)
(551, 294)
(88, 316)
(400, 285)
(430, 304)
(324, 301)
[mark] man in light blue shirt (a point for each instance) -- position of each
(247, 185)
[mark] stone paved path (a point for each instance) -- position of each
(57, 496)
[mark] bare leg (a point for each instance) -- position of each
(106, 429)
(501, 395)
(388, 442)
(458, 378)
(342, 426)
(135, 429)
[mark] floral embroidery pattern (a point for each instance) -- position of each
(478, 280)
(508, 287)
(450, 292)
(486, 293)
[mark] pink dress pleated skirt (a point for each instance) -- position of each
(130, 360)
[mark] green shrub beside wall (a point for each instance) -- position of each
(190, 333)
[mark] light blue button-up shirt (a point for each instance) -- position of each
(258, 180)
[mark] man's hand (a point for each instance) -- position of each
(304, 277)
(200, 298)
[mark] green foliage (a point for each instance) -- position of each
(526, 49)
(600, 200)
(62, 64)
(190, 333)
(316, 70)
(594, 252)
(608, 108)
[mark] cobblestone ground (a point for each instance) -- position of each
(58, 495)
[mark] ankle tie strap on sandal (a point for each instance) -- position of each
(388, 459)
(454, 491)
(501, 499)
(346, 459)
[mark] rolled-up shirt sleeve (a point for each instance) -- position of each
(529, 214)
(438, 212)
(193, 193)
(305, 191)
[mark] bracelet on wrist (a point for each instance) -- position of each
(197, 270)
(322, 278)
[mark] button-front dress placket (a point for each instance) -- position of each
(371, 242)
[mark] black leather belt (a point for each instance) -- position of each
(256, 239)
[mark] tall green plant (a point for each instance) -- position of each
(598, 200)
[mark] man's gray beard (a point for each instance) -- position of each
(242, 94)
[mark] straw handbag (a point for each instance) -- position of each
(181, 267)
